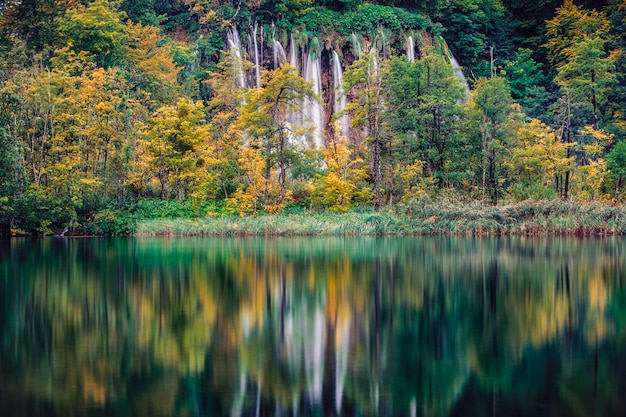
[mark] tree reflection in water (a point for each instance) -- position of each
(313, 326)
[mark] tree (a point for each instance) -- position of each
(12, 181)
(97, 28)
(492, 101)
(220, 170)
(469, 26)
(537, 160)
(264, 120)
(147, 62)
(34, 21)
(364, 76)
(171, 145)
(527, 81)
(616, 166)
(578, 43)
(422, 110)
(342, 184)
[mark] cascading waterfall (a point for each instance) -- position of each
(458, 73)
(313, 110)
(234, 43)
(261, 50)
(195, 63)
(357, 48)
(340, 97)
(293, 52)
(280, 57)
(294, 115)
(257, 65)
(373, 66)
(310, 115)
(410, 49)
(383, 41)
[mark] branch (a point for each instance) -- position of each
(237, 11)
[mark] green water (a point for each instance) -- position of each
(313, 327)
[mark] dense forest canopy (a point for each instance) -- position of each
(266, 106)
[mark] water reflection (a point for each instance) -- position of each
(332, 326)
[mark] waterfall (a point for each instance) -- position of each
(309, 114)
(410, 49)
(294, 116)
(458, 73)
(384, 43)
(280, 57)
(261, 50)
(196, 53)
(340, 97)
(357, 49)
(234, 43)
(313, 109)
(373, 65)
(257, 65)
(293, 53)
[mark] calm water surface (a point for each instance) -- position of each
(313, 327)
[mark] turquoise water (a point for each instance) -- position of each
(417, 326)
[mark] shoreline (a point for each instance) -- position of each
(423, 218)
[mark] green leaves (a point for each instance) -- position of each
(97, 29)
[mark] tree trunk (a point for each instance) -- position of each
(493, 180)
(282, 167)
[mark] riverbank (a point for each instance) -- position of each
(543, 218)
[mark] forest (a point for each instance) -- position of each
(113, 110)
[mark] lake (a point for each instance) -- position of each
(412, 326)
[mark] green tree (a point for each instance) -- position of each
(422, 109)
(220, 171)
(97, 28)
(469, 25)
(578, 46)
(616, 166)
(527, 81)
(491, 101)
(12, 181)
(264, 120)
(365, 77)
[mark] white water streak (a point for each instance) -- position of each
(313, 110)
(340, 96)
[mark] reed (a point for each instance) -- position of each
(421, 218)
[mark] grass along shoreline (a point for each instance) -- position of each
(543, 218)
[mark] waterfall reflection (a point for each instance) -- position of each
(324, 326)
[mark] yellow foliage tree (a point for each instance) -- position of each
(537, 160)
(343, 182)
(170, 147)
(264, 120)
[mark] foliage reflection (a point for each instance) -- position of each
(299, 326)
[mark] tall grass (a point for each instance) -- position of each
(425, 217)
(315, 224)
